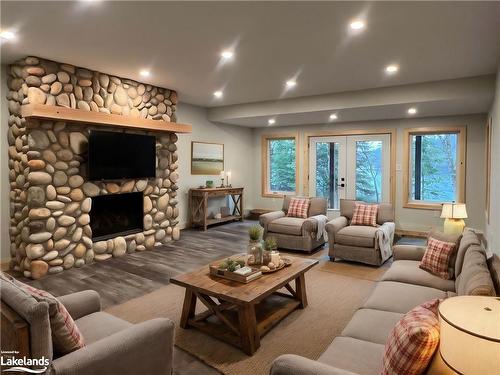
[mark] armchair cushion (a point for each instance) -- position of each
(356, 235)
(287, 225)
(81, 303)
(145, 348)
(99, 325)
(290, 364)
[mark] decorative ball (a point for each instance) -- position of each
(271, 265)
(265, 268)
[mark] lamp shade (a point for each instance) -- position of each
(454, 211)
(470, 334)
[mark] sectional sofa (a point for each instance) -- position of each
(360, 347)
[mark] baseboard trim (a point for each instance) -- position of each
(412, 233)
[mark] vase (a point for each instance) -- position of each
(266, 257)
(254, 253)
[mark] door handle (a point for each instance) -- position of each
(341, 185)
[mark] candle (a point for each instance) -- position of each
(275, 258)
(228, 175)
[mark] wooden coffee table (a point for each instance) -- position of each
(240, 314)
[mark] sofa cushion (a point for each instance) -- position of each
(287, 225)
(356, 235)
(400, 297)
(358, 356)
(475, 278)
(413, 341)
(371, 325)
(408, 271)
(455, 238)
(469, 238)
(365, 214)
(99, 325)
(437, 257)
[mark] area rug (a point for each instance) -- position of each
(333, 299)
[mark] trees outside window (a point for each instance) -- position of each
(369, 171)
(279, 165)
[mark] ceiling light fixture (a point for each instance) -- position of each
(218, 94)
(227, 55)
(7, 35)
(391, 69)
(333, 116)
(291, 83)
(145, 73)
(412, 111)
(357, 25)
(271, 121)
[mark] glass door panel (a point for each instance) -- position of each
(327, 169)
(369, 168)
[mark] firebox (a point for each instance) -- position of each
(115, 215)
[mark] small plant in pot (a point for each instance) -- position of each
(254, 249)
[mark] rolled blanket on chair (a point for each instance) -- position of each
(385, 234)
(321, 232)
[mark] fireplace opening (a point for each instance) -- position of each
(116, 215)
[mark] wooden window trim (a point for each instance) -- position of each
(265, 163)
(329, 133)
(461, 162)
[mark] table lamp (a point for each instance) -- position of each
(470, 334)
(454, 213)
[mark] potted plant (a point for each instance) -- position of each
(254, 249)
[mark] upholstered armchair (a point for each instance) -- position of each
(113, 346)
(359, 243)
(295, 233)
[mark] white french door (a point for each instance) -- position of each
(353, 167)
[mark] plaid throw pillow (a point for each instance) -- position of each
(413, 341)
(437, 257)
(66, 336)
(298, 207)
(365, 214)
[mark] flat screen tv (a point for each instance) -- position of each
(114, 155)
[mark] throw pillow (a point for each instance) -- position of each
(454, 238)
(413, 341)
(365, 214)
(298, 207)
(437, 257)
(66, 336)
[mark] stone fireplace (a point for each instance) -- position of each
(54, 208)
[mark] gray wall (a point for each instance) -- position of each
(4, 171)
(493, 229)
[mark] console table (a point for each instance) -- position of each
(198, 205)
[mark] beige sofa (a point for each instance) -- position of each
(360, 347)
(113, 346)
(294, 233)
(355, 242)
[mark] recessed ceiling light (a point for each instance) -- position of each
(227, 54)
(145, 73)
(412, 111)
(333, 116)
(271, 121)
(291, 83)
(7, 35)
(391, 69)
(218, 94)
(357, 25)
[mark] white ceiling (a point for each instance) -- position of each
(180, 43)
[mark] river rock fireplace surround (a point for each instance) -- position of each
(51, 200)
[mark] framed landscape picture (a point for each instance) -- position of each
(207, 158)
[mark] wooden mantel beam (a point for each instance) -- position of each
(56, 113)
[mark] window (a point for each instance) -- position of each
(279, 165)
(435, 171)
